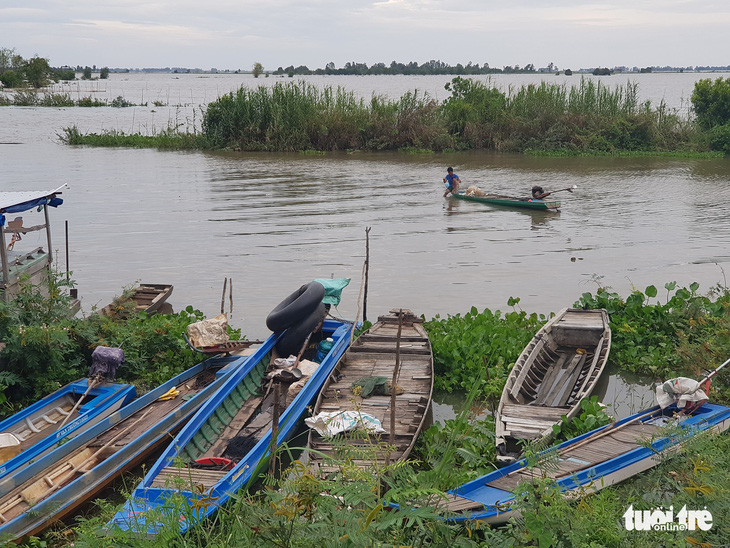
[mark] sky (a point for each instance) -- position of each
(235, 34)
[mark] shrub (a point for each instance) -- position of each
(11, 79)
(720, 138)
(711, 102)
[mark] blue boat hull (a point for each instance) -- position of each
(63, 501)
(101, 401)
(488, 499)
(149, 504)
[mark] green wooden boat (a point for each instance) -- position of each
(511, 201)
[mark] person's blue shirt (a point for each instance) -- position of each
(450, 180)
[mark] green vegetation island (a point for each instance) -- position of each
(658, 333)
(589, 118)
(586, 118)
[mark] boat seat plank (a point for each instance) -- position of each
(455, 503)
(524, 434)
(510, 482)
(533, 411)
(171, 476)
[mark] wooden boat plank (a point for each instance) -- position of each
(560, 393)
(172, 476)
(526, 370)
(524, 434)
(536, 422)
(533, 411)
(510, 482)
(455, 503)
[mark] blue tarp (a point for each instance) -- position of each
(15, 202)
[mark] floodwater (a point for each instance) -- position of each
(271, 222)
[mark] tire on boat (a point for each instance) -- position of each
(296, 307)
(291, 342)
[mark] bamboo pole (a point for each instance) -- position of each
(90, 384)
(223, 296)
(394, 382)
(79, 467)
(367, 273)
(48, 235)
(6, 268)
(230, 296)
(66, 227)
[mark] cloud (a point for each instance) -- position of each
(234, 34)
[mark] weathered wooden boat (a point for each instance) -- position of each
(511, 201)
(65, 414)
(590, 462)
(233, 432)
(397, 340)
(143, 298)
(54, 486)
(559, 367)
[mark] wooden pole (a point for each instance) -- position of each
(367, 272)
(223, 296)
(48, 235)
(91, 383)
(66, 226)
(230, 296)
(394, 382)
(6, 268)
(274, 428)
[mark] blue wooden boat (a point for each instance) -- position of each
(56, 418)
(590, 462)
(52, 487)
(236, 418)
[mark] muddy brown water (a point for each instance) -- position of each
(271, 222)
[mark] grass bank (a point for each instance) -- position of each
(547, 118)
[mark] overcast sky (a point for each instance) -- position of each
(234, 34)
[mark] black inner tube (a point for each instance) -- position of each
(296, 307)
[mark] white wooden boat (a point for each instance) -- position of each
(560, 367)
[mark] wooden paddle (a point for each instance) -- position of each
(569, 189)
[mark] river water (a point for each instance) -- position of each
(271, 222)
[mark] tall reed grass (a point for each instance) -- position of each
(300, 116)
(591, 117)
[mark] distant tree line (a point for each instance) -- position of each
(36, 72)
(412, 68)
(470, 69)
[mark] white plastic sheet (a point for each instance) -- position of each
(209, 332)
(681, 391)
(335, 422)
